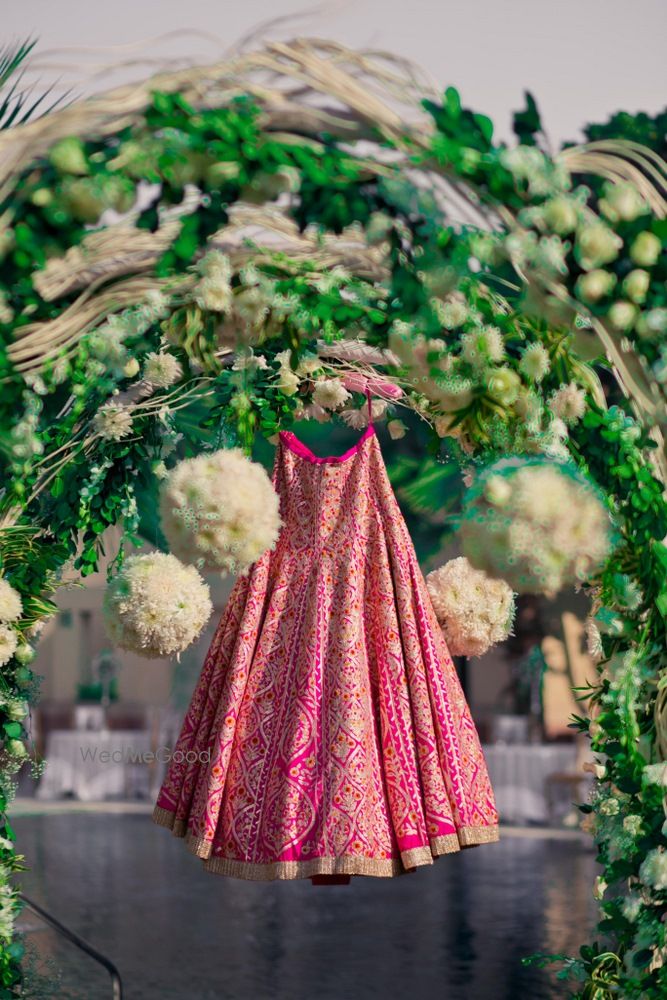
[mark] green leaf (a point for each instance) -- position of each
(527, 123)
(453, 102)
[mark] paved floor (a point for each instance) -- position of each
(455, 931)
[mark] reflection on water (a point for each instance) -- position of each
(456, 931)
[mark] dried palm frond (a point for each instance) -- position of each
(622, 160)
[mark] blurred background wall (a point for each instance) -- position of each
(582, 58)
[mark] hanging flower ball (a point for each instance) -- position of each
(8, 644)
(156, 606)
(220, 511)
(539, 525)
(11, 605)
(474, 611)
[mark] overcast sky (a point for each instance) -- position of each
(581, 58)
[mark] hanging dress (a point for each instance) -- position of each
(328, 734)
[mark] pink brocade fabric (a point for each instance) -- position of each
(328, 732)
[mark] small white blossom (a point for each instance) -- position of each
(596, 245)
(162, 370)
(213, 292)
(535, 362)
(113, 422)
(479, 347)
(655, 774)
(568, 403)
(330, 393)
(248, 361)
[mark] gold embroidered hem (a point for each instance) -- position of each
(283, 870)
(469, 836)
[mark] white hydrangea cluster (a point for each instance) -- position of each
(220, 511)
(113, 421)
(474, 610)
(537, 524)
(156, 606)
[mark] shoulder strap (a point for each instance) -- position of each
(370, 406)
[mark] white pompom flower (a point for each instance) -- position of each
(474, 610)
(11, 605)
(156, 606)
(220, 511)
(162, 370)
(8, 644)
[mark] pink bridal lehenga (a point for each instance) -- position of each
(328, 734)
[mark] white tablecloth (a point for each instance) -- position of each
(92, 766)
(518, 775)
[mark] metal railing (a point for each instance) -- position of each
(116, 982)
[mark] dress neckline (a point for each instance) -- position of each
(295, 445)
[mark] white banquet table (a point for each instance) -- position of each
(92, 766)
(519, 773)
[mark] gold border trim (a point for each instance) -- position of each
(283, 870)
(467, 836)
(471, 836)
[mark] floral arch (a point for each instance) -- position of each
(203, 258)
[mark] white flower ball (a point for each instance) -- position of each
(474, 611)
(11, 606)
(550, 530)
(220, 511)
(156, 606)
